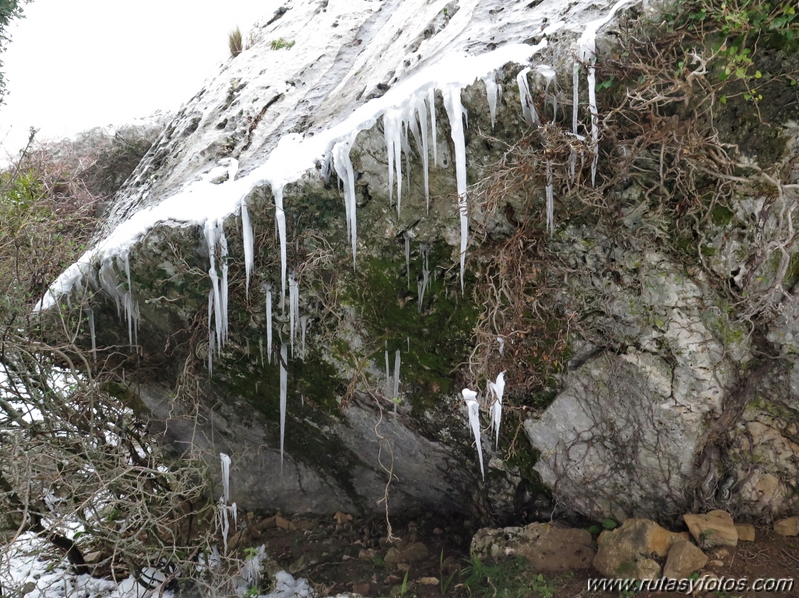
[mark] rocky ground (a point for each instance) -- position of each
(433, 555)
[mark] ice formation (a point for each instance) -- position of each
(406, 237)
(396, 373)
(550, 200)
(473, 407)
(549, 75)
(268, 289)
(501, 342)
(283, 393)
(247, 241)
(388, 376)
(493, 94)
(343, 166)
(294, 309)
(528, 108)
(496, 389)
(452, 103)
(226, 511)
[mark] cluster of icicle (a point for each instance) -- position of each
(408, 111)
(494, 394)
(225, 511)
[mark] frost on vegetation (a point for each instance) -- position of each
(283, 393)
(226, 511)
(473, 408)
(496, 390)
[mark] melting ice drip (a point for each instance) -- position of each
(226, 510)
(496, 390)
(395, 396)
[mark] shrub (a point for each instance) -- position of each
(234, 42)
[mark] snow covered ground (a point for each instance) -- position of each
(27, 570)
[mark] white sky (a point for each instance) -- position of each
(75, 65)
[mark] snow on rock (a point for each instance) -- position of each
(380, 61)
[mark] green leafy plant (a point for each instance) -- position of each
(444, 584)
(280, 43)
(404, 587)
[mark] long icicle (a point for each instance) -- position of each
(343, 165)
(280, 219)
(247, 241)
(452, 103)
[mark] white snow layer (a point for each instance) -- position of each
(337, 69)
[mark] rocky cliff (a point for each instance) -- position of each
(379, 204)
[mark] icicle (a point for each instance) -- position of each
(396, 373)
(549, 75)
(247, 240)
(528, 108)
(424, 249)
(407, 239)
(421, 112)
(431, 101)
(280, 218)
(225, 477)
(212, 230)
(594, 121)
(408, 339)
(303, 330)
(224, 283)
(501, 342)
(343, 165)
(283, 391)
(575, 95)
(473, 406)
(294, 309)
(497, 389)
(388, 376)
(550, 200)
(490, 82)
(269, 322)
(392, 128)
(90, 317)
(452, 102)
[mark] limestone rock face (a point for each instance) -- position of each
(340, 166)
(628, 551)
(545, 546)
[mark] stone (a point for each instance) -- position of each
(683, 560)
(428, 581)
(361, 588)
(624, 552)
(787, 527)
(746, 532)
(715, 528)
(415, 551)
(545, 546)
